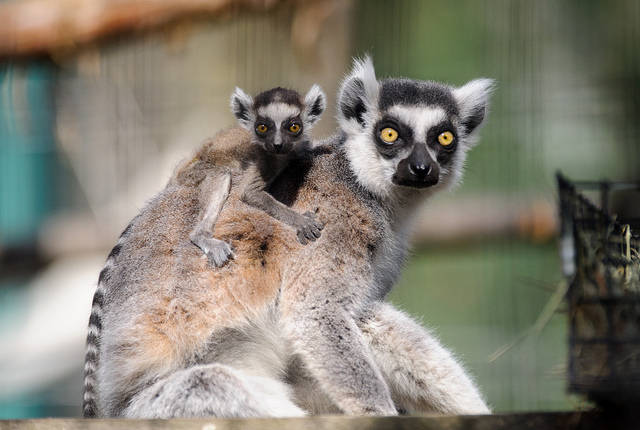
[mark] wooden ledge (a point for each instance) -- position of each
(524, 421)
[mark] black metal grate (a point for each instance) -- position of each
(601, 261)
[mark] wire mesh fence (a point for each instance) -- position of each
(601, 258)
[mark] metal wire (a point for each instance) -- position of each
(601, 260)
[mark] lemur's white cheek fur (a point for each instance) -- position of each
(371, 169)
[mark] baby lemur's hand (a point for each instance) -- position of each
(308, 228)
(217, 251)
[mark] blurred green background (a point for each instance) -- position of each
(86, 138)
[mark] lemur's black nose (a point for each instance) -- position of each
(420, 170)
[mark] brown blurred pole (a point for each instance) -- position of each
(479, 217)
(40, 27)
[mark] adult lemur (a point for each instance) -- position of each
(286, 329)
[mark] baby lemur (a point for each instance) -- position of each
(279, 122)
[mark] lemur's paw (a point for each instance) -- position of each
(218, 251)
(308, 228)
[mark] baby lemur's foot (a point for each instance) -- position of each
(308, 228)
(217, 251)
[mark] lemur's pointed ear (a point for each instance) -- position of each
(242, 108)
(473, 101)
(315, 103)
(358, 96)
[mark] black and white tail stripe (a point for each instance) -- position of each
(91, 360)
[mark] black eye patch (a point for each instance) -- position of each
(444, 153)
(437, 130)
(405, 136)
(271, 126)
(287, 123)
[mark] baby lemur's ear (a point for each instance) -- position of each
(315, 103)
(473, 101)
(358, 96)
(242, 108)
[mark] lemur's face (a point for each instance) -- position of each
(278, 118)
(278, 127)
(404, 133)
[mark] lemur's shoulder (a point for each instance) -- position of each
(227, 144)
(226, 147)
(229, 148)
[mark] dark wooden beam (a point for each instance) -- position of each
(524, 421)
(48, 27)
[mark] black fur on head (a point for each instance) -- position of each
(277, 95)
(412, 93)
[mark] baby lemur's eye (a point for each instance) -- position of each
(389, 135)
(294, 128)
(261, 128)
(445, 138)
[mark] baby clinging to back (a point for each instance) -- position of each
(279, 121)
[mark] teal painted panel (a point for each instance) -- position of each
(27, 150)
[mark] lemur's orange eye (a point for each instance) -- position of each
(389, 135)
(294, 128)
(262, 129)
(446, 138)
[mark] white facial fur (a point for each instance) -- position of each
(420, 119)
(278, 112)
(374, 171)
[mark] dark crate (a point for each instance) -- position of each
(601, 261)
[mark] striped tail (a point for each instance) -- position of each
(92, 357)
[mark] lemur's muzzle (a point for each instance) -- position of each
(418, 170)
